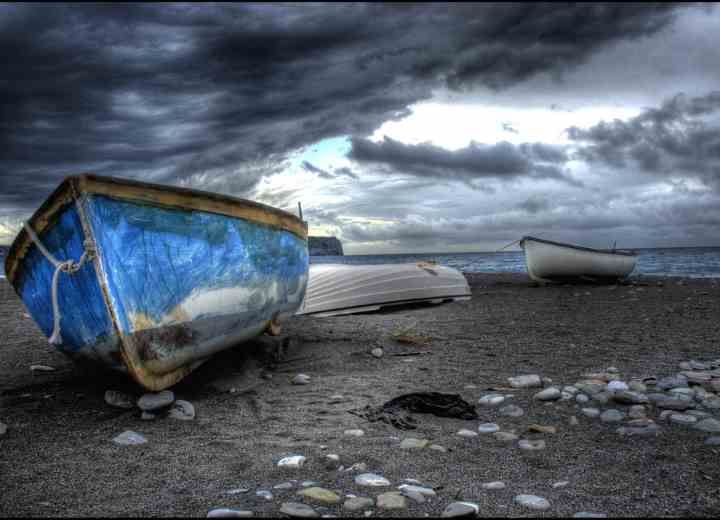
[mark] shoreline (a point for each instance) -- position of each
(59, 459)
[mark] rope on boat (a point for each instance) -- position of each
(67, 267)
(510, 244)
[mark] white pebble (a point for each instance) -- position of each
(491, 400)
(182, 411)
(292, 462)
(301, 379)
(371, 480)
(467, 433)
(488, 428)
(354, 433)
(129, 438)
(494, 485)
(533, 502)
(150, 402)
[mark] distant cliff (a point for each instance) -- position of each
(324, 246)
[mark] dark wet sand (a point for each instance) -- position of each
(57, 458)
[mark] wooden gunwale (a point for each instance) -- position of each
(147, 193)
(581, 248)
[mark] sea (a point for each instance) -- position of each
(691, 262)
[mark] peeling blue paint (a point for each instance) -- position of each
(158, 260)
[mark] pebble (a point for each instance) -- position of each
(308, 483)
(708, 425)
(129, 438)
(119, 399)
(377, 352)
(358, 504)
(637, 386)
(182, 410)
(505, 436)
(410, 443)
(237, 491)
(224, 512)
(591, 388)
(681, 418)
(683, 391)
(437, 447)
(460, 509)
(322, 495)
(533, 502)
(284, 485)
(291, 462)
(637, 411)
(712, 441)
(467, 433)
(711, 403)
(584, 514)
(491, 400)
(617, 386)
(336, 398)
(511, 410)
(41, 368)
(425, 491)
(263, 493)
(590, 412)
(665, 414)
(612, 416)
(300, 379)
(488, 428)
(391, 500)
(525, 381)
(612, 370)
(582, 398)
(561, 484)
(573, 421)
(494, 485)
(549, 394)
(371, 480)
(629, 397)
(531, 445)
(3, 429)
(674, 403)
(601, 397)
(354, 433)
(413, 495)
(570, 390)
(150, 402)
(297, 510)
(147, 416)
(666, 383)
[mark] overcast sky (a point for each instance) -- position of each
(400, 127)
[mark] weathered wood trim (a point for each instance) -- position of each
(147, 193)
(183, 198)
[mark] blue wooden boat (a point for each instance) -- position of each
(154, 279)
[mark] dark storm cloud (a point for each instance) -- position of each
(214, 95)
(470, 164)
(307, 166)
(681, 138)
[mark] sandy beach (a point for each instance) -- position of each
(58, 458)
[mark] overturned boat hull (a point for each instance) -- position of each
(336, 289)
(549, 261)
(175, 274)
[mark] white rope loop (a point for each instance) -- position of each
(67, 267)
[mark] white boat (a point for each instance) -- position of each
(549, 261)
(335, 289)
